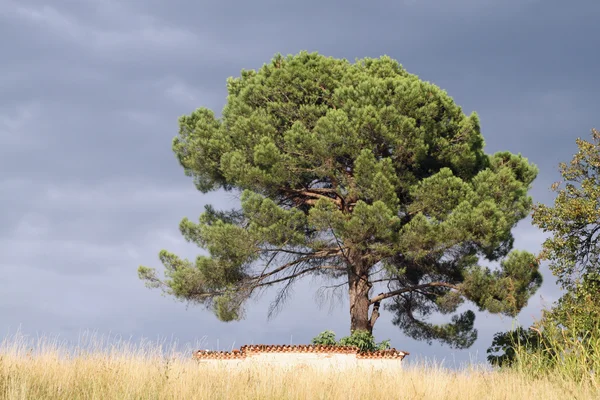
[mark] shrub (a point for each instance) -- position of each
(364, 340)
(325, 338)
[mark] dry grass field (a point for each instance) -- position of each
(46, 370)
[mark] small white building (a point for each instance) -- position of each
(316, 356)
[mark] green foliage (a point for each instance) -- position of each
(559, 352)
(574, 219)
(506, 346)
(459, 333)
(325, 338)
(508, 289)
(364, 340)
(356, 172)
(579, 308)
(566, 340)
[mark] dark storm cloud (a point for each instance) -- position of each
(90, 92)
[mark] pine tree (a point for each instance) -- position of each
(362, 174)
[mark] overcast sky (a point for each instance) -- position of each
(90, 93)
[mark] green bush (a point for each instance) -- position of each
(325, 338)
(364, 340)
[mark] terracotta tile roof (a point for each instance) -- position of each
(390, 353)
(212, 355)
(265, 348)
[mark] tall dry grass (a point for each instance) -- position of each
(47, 369)
(564, 353)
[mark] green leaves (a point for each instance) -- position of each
(505, 290)
(325, 338)
(315, 115)
(269, 223)
(375, 180)
(505, 346)
(439, 195)
(579, 308)
(227, 307)
(574, 219)
(370, 223)
(459, 333)
(199, 147)
(365, 341)
(449, 211)
(566, 338)
(183, 279)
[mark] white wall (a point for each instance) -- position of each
(314, 360)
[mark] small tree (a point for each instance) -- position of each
(361, 174)
(574, 247)
(325, 338)
(574, 220)
(573, 251)
(365, 341)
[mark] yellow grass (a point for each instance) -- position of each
(46, 370)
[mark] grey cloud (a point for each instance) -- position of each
(90, 92)
(72, 226)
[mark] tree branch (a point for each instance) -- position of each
(318, 254)
(393, 293)
(375, 313)
(301, 253)
(317, 193)
(297, 274)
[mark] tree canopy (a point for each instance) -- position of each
(364, 175)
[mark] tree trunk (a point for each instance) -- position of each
(359, 302)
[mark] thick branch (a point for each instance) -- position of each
(383, 296)
(332, 250)
(317, 193)
(374, 313)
